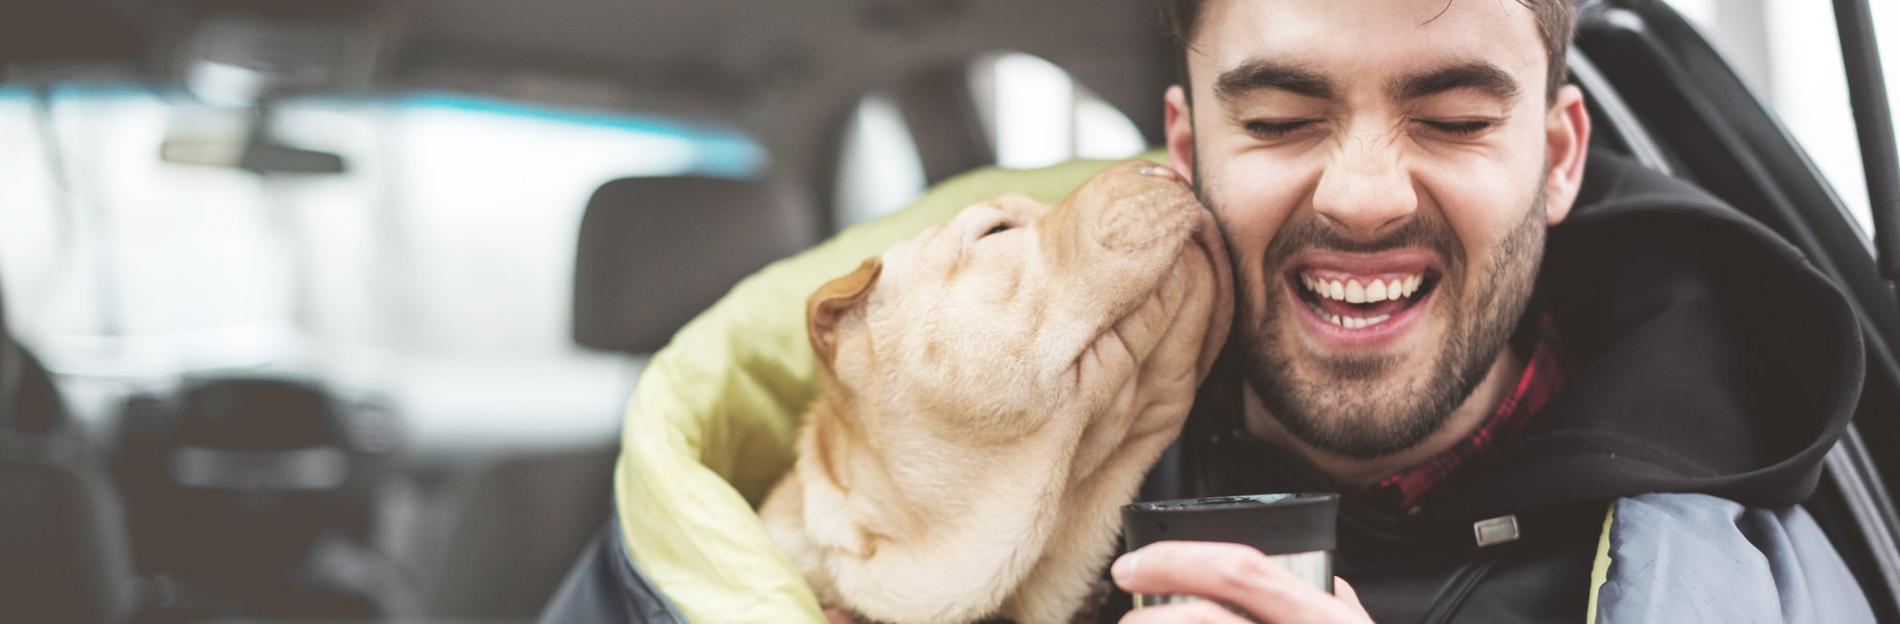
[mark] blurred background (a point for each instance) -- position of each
(344, 298)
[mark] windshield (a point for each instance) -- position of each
(437, 262)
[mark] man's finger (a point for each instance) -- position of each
(1345, 592)
(1200, 611)
(1197, 568)
(1231, 573)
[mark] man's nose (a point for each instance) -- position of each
(1365, 190)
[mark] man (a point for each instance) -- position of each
(1385, 173)
(1545, 390)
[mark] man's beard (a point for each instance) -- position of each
(1358, 407)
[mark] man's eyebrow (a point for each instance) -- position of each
(1261, 75)
(1479, 76)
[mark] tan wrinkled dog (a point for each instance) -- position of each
(992, 392)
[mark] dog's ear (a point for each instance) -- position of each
(833, 300)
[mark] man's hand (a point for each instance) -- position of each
(1232, 574)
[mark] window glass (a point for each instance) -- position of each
(438, 266)
(451, 231)
(1033, 113)
(1809, 94)
(1102, 131)
(879, 170)
(144, 248)
(1037, 115)
(1789, 51)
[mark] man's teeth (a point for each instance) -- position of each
(1371, 291)
(1353, 322)
(1355, 291)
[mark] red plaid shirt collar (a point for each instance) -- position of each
(1543, 376)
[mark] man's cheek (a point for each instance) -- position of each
(1245, 252)
(1255, 288)
(1248, 221)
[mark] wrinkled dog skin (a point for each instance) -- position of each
(992, 391)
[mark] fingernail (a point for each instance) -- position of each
(1124, 566)
(1154, 170)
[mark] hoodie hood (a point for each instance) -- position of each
(1706, 356)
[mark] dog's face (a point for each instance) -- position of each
(984, 329)
(1017, 350)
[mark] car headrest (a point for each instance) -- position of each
(654, 252)
(259, 433)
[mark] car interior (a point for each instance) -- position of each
(425, 428)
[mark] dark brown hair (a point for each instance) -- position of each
(1555, 19)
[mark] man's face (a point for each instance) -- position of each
(1381, 171)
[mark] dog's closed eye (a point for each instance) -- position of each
(996, 229)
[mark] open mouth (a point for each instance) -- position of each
(1361, 301)
(1355, 301)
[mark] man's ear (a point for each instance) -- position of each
(1179, 127)
(1567, 139)
(833, 300)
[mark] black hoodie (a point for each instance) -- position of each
(1705, 356)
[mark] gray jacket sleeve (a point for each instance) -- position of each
(1698, 558)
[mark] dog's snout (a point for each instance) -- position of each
(1129, 212)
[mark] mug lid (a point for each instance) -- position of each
(1272, 523)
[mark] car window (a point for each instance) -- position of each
(1037, 115)
(879, 169)
(1032, 113)
(1789, 52)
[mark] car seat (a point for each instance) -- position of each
(63, 541)
(525, 520)
(653, 252)
(251, 497)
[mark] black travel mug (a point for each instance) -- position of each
(1295, 531)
